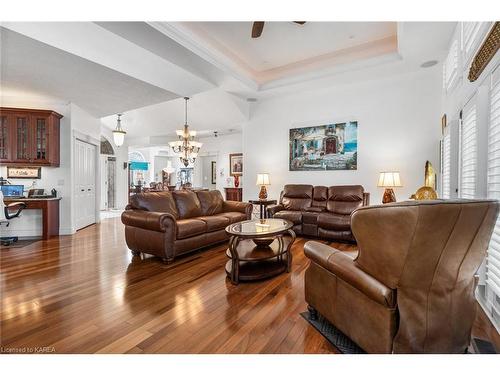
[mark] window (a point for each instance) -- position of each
(450, 67)
(446, 166)
(468, 151)
(470, 36)
(493, 257)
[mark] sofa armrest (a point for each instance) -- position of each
(157, 221)
(366, 199)
(234, 206)
(271, 210)
(344, 267)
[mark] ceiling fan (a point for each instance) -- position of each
(259, 26)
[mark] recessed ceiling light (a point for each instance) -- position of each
(428, 64)
(251, 100)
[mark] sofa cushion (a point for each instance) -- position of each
(297, 197)
(344, 200)
(310, 217)
(211, 202)
(190, 227)
(320, 196)
(293, 216)
(215, 222)
(188, 204)
(334, 221)
(315, 209)
(234, 217)
(161, 201)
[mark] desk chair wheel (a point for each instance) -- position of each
(7, 241)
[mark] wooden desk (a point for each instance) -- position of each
(50, 213)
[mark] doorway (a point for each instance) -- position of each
(85, 183)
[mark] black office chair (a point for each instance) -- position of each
(8, 212)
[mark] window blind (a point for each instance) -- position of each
(450, 67)
(446, 166)
(493, 257)
(468, 151)
(470, 33)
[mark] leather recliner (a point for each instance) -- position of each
(410, 288)
(167, 224)
(320, 211)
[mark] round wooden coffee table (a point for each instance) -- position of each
(259, 249)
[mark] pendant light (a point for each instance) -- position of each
(119, 133)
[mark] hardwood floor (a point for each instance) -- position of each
(86, 294)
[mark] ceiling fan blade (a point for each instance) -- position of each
(257, 29)
(300, 22)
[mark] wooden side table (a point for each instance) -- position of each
(263, 204)
(234, 194)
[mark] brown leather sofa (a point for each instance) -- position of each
(320, 211)
(410, 289)
(167, 224)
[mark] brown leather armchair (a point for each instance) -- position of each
(410, 289)
(320, 211)
(167, 224)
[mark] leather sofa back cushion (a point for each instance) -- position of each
(320, 196)
(211, 202)
(344, 199)
(155, 201)
(187, 203)
(297, 197)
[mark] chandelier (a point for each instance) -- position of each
(186, 146)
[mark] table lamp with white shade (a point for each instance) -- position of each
(388, 180)
(263, 181)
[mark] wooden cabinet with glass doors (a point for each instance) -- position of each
(29, 137)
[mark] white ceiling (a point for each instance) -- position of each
(284, 43)
(38, 69)
(108, 67)
(210, 111)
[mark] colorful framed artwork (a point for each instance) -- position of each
(24, 172)
(324, 147)
(236, 164)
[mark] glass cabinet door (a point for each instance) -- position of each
(40, 152)
(22, 138)
(4, 138)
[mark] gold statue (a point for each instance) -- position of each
(428, 191)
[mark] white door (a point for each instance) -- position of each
(85, 199)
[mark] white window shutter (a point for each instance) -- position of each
(470, 39)
(450, 67)
(446, 166)
(468, 151)
(493, 257)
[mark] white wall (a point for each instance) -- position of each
(220, 148)
(398, 129)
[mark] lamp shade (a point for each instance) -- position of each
(263, 179)
(118, 137)
(389, 179)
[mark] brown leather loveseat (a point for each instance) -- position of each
(167, 224)
(410, 289)
(320, 211)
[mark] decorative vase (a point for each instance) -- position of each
(236, 181)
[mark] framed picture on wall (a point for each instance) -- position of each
(214, 172)
(236, 164)
(324, 147)
(24, 172)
